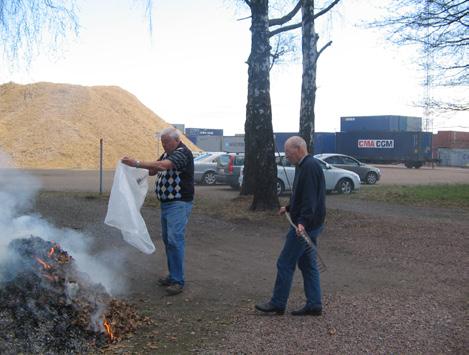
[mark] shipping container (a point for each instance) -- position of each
(324, 142)
(411, 148)
(281, 138)
(233, 144)
(385, 123)
(193, 139)
(453, 157)
(451, 139)
(210, 143)
(203, 132)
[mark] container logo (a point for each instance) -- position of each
(376, 143)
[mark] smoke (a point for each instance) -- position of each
(17, 220)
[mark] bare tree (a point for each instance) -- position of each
(310, 58)
(260, 170)
(441, 28)
(26, 24)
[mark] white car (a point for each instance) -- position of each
(340, 180)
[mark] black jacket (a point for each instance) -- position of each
(308, 199)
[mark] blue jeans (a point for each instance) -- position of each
(174, 218)
(294, 252)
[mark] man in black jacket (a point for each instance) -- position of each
(308, 211)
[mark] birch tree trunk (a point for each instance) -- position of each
(308, 85)
(260, 170)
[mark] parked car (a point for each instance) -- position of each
(339, 180)
(205, 168)
(368, 173)
(229, 168)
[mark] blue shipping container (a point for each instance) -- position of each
(193, 139)
(386, 123)
(386, 147)
(324, 142)
(281, 138)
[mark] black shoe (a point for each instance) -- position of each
(164, 281)
(269, 308)
(174, 289)
(307, 311)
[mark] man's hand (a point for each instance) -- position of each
(300, 230)
(282, 210)
(129, 161)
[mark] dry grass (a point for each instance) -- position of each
(440, 195)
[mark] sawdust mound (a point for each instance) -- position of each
(47, 125)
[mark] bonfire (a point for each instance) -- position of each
(48, 306)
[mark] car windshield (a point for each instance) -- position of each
(202, 156)
(239, 160)
(323, 164)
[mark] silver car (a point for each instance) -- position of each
(368, 173)
(340, 180)
(205, 168)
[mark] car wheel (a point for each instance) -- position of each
(280, 187)
(209, 178)
(344, 186)
(408, 165)
(371, 178)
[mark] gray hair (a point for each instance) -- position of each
(296, 142)
(171, 132)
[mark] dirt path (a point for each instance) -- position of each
(393, 285)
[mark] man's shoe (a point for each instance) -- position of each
(174, 289)
(269, 308)
(307, 311)
(164, 281)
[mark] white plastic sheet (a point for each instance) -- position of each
(128, 192)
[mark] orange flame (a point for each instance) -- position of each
(108, 329)
(43, 263)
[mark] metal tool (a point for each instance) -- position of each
(309, 244)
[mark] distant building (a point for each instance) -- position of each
(179, 126)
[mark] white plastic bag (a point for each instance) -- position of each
(128, 192)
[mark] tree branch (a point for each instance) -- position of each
(323, 48)
(284, 29)
(326, 9)
(286, 18)
(244, 18)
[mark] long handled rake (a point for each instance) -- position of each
(309, 244)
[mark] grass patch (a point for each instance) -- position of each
(455, 195)
(230, 209)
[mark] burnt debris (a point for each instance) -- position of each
(48, 306)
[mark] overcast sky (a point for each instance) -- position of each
(192, 69)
